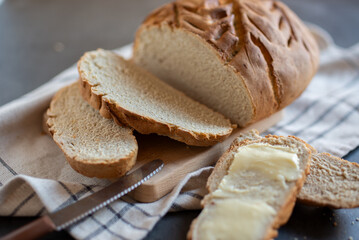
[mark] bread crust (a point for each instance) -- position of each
(263, 41)
(222, 167)
(144, 124)
(112, 169)
(109, 168)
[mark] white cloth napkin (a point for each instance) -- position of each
(35, 177)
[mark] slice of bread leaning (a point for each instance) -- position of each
(93, 146)
(134, 97)
(252, 189)
(332, 181)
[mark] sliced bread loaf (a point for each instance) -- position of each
(93, 146)
(252, 189)
(332, 182)
(245, 59)
(136, 98)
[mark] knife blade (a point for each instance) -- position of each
(90, 204)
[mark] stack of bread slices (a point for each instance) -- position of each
(199, 70)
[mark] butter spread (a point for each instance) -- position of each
(232, 218)
(275, 162)
(267, 161)
(241, 206)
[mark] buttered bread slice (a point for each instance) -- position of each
(134, 97)
(93, 146)
(332, 182)
(252, 189)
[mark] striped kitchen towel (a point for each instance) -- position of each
(35, 178)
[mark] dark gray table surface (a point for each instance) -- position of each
(41, 38)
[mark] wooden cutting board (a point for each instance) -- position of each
(181, 159)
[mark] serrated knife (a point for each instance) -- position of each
(82, 208)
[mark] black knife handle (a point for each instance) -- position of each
(32, 230)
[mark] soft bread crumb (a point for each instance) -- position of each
(337, 179)
(138, 99)
(94, 146)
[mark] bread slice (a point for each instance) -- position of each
(136, 98)
(332, 182)
(253, 190)
(93, 146)
(245, 59)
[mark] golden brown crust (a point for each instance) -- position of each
(262, 40)
(111, 168)
(191, 229)
(143, 124)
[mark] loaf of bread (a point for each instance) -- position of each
(245, 59)
(252, 189)
(135, 98)
(93, 146)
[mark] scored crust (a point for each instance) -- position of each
(106, 167)
(223, 164)
(144, 124)
(263, 41)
